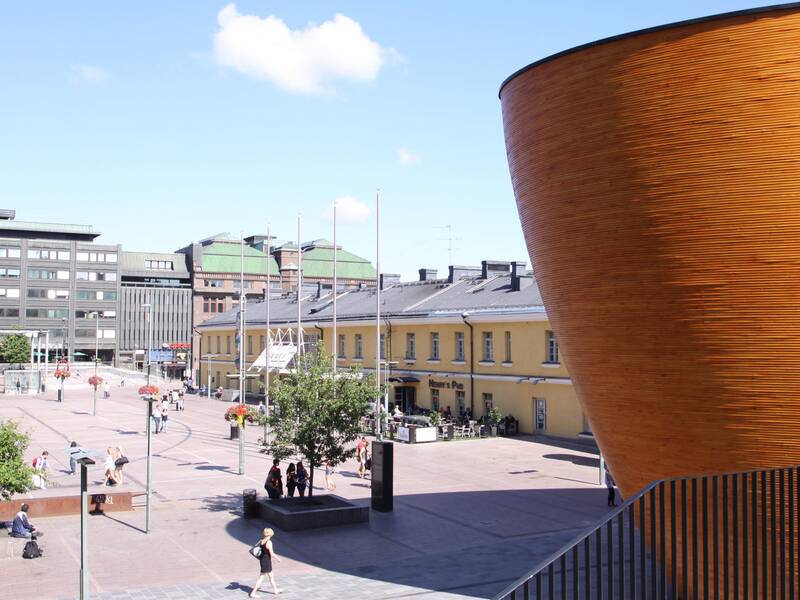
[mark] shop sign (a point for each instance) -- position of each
(403, 434)
(445, 385)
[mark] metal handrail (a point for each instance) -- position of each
(740, 492)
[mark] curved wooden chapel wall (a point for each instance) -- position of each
(657, 178)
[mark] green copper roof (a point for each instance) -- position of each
(226, 258)
(318, 262)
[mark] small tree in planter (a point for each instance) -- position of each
(317, 413)
(15, 475)
(494, 416)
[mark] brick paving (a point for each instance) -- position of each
(470, 516)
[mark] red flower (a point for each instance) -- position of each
(148, 390)
(95, 380)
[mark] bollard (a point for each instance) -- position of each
(250, 503)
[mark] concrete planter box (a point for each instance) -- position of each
(293, 514)
(413, 434)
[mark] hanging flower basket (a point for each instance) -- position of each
(148, 390)
(95, 380)
(61, 373)
(239, 413)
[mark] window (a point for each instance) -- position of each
(46, 313)
(248, 284)
(9, 252)
(261, 343)
(341, 352)
(9, 312)
(488, 402)
(434, 345)
(249, 344)
(82, 256)
(216, 283)
(411, 346)
(218, 346)
(488, 347)
(85, 256)
(94, 276)
(9, 292)
(359, 346)
(219, 306)
(94, 295)
(161, 265)
(383, 346)
(540, 414)
(205, 306)
(227, 344)
(460, 345)
(49, 294)
(435, 399)
(508, 346)
(552, 348)
(45, 254)
(6, 272)
(460, 402)
(90, 314)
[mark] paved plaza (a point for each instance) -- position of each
(470, 516)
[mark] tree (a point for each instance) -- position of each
(15, 475)
(15, 349)
(317, 415)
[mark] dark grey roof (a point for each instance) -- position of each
(420, 298)
(84, 232)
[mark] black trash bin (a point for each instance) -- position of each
(250, 503)
(234, 431)
(60, 392)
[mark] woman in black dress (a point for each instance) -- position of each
(267, 554)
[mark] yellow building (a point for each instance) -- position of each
(472, 341)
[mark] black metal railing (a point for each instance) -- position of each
(731, 535)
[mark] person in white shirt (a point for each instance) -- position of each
(40, 466)
(111, 467)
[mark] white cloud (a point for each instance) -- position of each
(302, 60)
(349, 211)
(87, 74)
(407, 158)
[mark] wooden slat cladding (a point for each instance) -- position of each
(657, 179)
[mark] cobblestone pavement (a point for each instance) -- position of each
(470, 516)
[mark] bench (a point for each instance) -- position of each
(58, 506)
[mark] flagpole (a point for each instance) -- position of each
(335, 338)
(269, 335)
(379, 432)
(299, 291)
(242, 328)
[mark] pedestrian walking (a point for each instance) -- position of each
(330, 484)
(265, 557)
(180, 399)
(156, 416)
(302, 479)
(362, 452)
(40, 470)
(610, 483)
(106, 390)
(164, 416)
(120, 460)
(73, 464)
(122, 382)
(291, 480)
(111, 467)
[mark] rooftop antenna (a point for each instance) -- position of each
(449, 239)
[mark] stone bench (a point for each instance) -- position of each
(59, 506)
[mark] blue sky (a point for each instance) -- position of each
(161, 123)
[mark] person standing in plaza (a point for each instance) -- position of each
(111, 467)
(120, 460)
(610, 484)
(291, 480)
(73, 464)
(156, 417)
(40, 466)
(106, 390)
(361, 455)
(164, 416)
(274, 482)
(330, 484)
(265, 562)
(302, 479)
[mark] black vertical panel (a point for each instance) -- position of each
(773, 569)
(782, 530)
(790, 482)
(642, 550)
(653, 546)
(551, 577)
(673, 542)
(526, 590)
(695, 568)
(610, 553)
(705, 535)
(621, 552)
(662, 540)
(724, 568)
(575, 572)
(735, 565)
(563, 565)
(715, 532)
(754, 519)
(538, 585)
(684, 543)
(598, 553)
(587, 569)
(764, 547)
(745, 538)
(632, 550)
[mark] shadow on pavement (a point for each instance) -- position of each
(576, 459)
(467, 543)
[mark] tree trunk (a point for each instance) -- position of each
(311, 481)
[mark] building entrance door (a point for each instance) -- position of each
(539, 415)
(406, 398)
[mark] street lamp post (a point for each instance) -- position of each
(149, 400)
(84, 461)
(63, 353)
(96, 342)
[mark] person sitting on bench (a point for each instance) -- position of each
(21, 527)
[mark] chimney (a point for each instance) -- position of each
(519, 277)
(459, 272)
(427, 274)
(490, 268)
(389, 279)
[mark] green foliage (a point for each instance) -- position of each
(15, 475)
(316, 415)
(495, 416)
(434, 418)
(15, 349)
